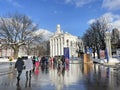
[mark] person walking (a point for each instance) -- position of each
(19, 66)
(28, 67)
(63, 60)
(33, 60)
(36, 62)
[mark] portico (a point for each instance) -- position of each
(60, 40)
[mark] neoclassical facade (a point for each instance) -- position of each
(60, 40)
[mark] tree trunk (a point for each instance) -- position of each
(93, 54)
(98, 56)
(28, 51)
(16, 50)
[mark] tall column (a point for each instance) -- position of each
(108, 43)
(62, 46)
(58, 46)
(52, 47)
(65, 43)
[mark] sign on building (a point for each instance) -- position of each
(66, 52)
(102, 54)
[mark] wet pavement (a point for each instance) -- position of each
(75, 77)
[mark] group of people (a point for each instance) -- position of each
(32, 63)
(59, 61)
(28, 65)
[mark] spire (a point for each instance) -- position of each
(58, 29)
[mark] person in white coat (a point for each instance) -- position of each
(28, 67)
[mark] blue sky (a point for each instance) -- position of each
(74, 16)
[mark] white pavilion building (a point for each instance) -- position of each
(60, 40)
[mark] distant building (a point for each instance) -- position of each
(7, 51)
(115, 39)
(60, 40)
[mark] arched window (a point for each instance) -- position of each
(67, 42)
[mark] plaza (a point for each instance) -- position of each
(75, 77)
(60, 44)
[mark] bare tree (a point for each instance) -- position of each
(34, 43)
(45, 48)
(95, 36)
(79, 51)
(115, 40)
(16, 30)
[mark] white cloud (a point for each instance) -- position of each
(117, 24)
(15, 3)
(91, 21)
(111, 4)
(68, 1)
(111, 18)
(78, 3)
(45, 33)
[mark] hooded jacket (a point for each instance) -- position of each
(19, 64)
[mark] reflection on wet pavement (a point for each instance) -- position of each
(73, 77)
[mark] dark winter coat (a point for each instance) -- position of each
(19, 64)
(63, 60)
